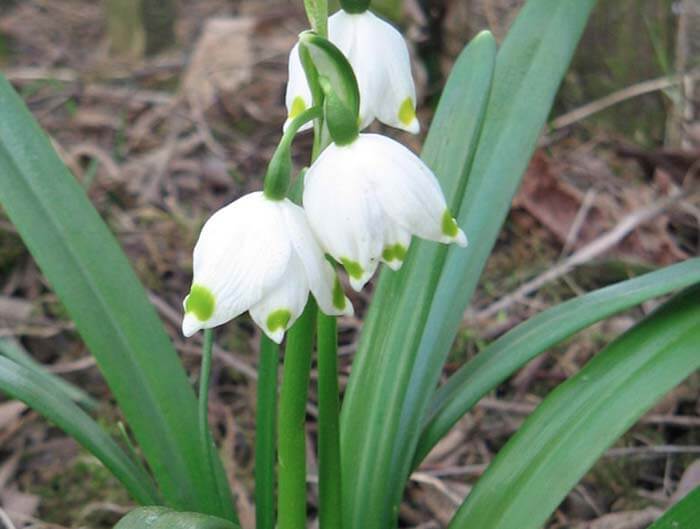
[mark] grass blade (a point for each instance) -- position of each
(93, 278)
(580, 419)
(683, 515)
(14, 352)
(29, 387)
(517, 347)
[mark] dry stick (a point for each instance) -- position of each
(5, 519)
(589, 252)
(613, 99)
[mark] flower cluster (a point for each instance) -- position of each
(364, 197)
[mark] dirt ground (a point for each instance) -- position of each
(160, 143)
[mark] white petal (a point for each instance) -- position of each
(396, 243)
(279, 309)
(241, 254)
(344, 212)
(408, 190)
(379, 57)
(396, 104)
(298, 97)
(320, 275)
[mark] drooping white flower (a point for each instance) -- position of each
(366, 199)
(379, 57)
(259, 255)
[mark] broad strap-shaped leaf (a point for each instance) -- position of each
(683, 515)
(162, 518)
(514, 349)
(92, 277)
(380, 371)
(12, 350)
(580, 419)
(26, 385)
(417, 312)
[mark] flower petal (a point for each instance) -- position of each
(343, 211)
(279, 309)
(298, 97)
(408, 191)
(320, 275)
(396, 243)
(241, 254)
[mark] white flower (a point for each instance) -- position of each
(379, 57)
(365, 200)
(259, 255)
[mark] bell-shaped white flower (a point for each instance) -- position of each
(366, 199)
(379, 57)
(259, 255)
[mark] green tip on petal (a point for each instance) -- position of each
(407, 112)
(298, 106)
(449, 224)
(200, 302)
(395, 252)
(338, 295)
(353, 268)
(278, 320)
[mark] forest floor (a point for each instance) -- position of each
(161, 143)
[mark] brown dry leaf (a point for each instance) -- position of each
(19, 505)
(221, 61)
(10, 412)
(14, 309)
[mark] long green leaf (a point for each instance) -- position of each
(379, 375)
(514, 349)
(31, 388)
(579, 420)
(683, 515)
(415, 315)
(161, 518)
(91, 275)
(14, 352)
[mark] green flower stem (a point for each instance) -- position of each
(279, 169)
(265, 455)
(206, 440)
(292, 414)
(317, 13)
(329, 478)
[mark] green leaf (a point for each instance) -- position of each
(92, 277)
(509, 353)
(317, 13)
(380, 370)
(162, 518)
(417, 312)
(30, 387)
(683, 515)
(580, 419)
(14, 352)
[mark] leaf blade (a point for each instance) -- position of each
(25, 385)
(93, 278)
(580, 419)
(510, 352)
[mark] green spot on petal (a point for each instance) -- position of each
(353, 268)
(395, 252)
(278, 319)
(338, 295)
(200, 302)
(449, 224)
(407, 112)
(298, 106)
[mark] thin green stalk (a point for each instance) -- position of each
(330, 499)
(292, 412)
(265, 434)
(205, 436)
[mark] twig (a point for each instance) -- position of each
(589, 252)
(652, 450)
(613, 99)
(5, 519)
